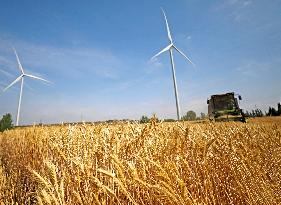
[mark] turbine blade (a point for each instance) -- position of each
(162, 51)
(18, 60)
(15, 81)
(183, 55)
(38, 78)
(167, 26)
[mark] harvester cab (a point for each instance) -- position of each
(225, 107)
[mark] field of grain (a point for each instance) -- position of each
(154, 163)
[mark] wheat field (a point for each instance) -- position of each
(154, 163)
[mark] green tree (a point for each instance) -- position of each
(203, 115)
(258, 113)
(272, 112)
(190, 115)
(144, 119)
(6, 122)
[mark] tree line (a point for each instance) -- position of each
(191, 115)
(7, 123)
(259, 113)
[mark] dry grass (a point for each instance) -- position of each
(157, 163)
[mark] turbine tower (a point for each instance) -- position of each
(170, 48)
(21, 78)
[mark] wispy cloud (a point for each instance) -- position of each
(153, 65)
(247, 3)
(234, 3)
(197, 104)
(85, 69)
(6, 73)
(255, 69)
(78, 62)
(236, 8)
(71, 62)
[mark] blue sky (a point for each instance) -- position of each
(97, 54)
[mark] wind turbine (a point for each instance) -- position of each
(170, 48)
(21, 78)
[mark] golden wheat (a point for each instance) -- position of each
(155, 163)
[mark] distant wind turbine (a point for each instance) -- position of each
(170, 48)
(21, 77)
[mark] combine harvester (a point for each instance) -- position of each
(225, 107)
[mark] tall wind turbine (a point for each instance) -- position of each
(170, 48)
(21, 78)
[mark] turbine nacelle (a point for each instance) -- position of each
(169, 47)
(22, 76)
